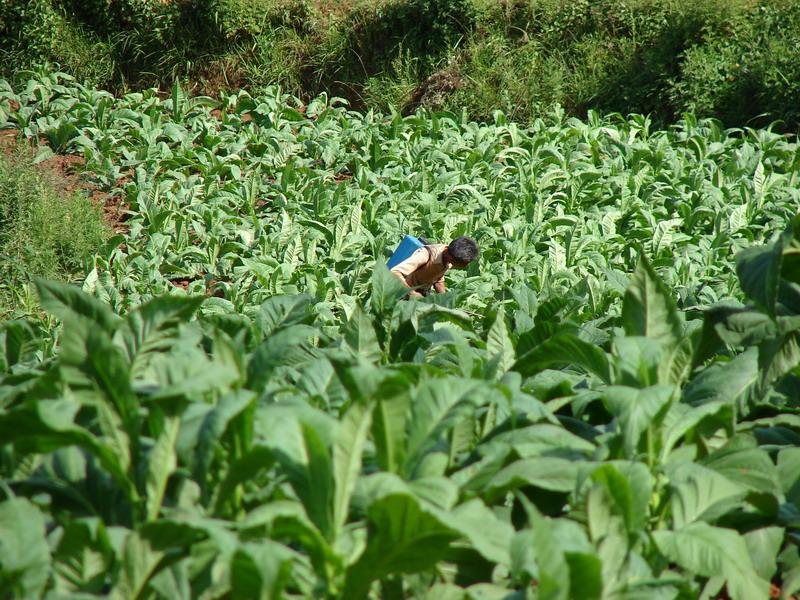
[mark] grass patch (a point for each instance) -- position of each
(730, 59)
(43, 232)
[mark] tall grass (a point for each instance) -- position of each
(730, 59)
(43, 230)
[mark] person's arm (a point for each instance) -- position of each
(439, 286)
(402, 270)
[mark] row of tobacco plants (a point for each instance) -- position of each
(238, 404)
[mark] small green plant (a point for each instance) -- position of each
(275, 57)
(394, 88)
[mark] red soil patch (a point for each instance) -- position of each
(212, 288)
(341, 177)
(245, 117)
(8, 141)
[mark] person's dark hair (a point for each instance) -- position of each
(463, 249)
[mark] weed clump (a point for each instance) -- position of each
(43, 231)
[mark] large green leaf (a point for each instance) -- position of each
(547, 473)
(348, 448)
(47, 425)
(24, 553)
(541, 439)
(407, 536)
(649, 309)
(743, 461)
(389, 431)
(499, 345)
(638, 361)
(638, 411)
(300, 440)
(683, 420)
(759, 271)
(789, 473)
(246, 467)
(764, 545)
(152, 327)
(488, 534)
(701, 494)
(552, 569)
(202, 437)
(562, 350)
(260, 570)
(281, 311)
(83, 558)
(776, 358)
(359, 335)
(439, 404)
(138, 563)
(731, 382)
(629, 486)
(161, 463)
(19, 343)
(68, 302)
(91, 362)
(713, 551)
(274, 351)
(386, 290)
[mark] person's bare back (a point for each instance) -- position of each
(426, 267)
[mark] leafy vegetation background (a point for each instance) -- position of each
(234, 401)
(734, 60)
(236, 404)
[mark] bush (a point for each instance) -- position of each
(236, 19)
(622, 56)
(395, 87)
(497, 74)
(35, 33)
(750, 69)
(275, 57)
(370, 40)
(43, 232)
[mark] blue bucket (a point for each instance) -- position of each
(406, 248)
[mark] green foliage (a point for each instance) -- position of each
(746, 70)
(616, 55)
(33, 33)
(426, 28)
(43, 232)
(239, 403)
(274, 57)
(496, 73)
(232, 19)
(396, 87)
(735, 61)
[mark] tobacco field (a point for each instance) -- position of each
(234, 402)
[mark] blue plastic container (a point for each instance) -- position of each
(406, 248)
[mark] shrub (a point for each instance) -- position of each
(275, 57)
(374, 35)
(231, 20)
(521, 80)
(43, 231)
(395, 87)
(751, 68)
(36, 32)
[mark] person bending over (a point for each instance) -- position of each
(426, 267)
